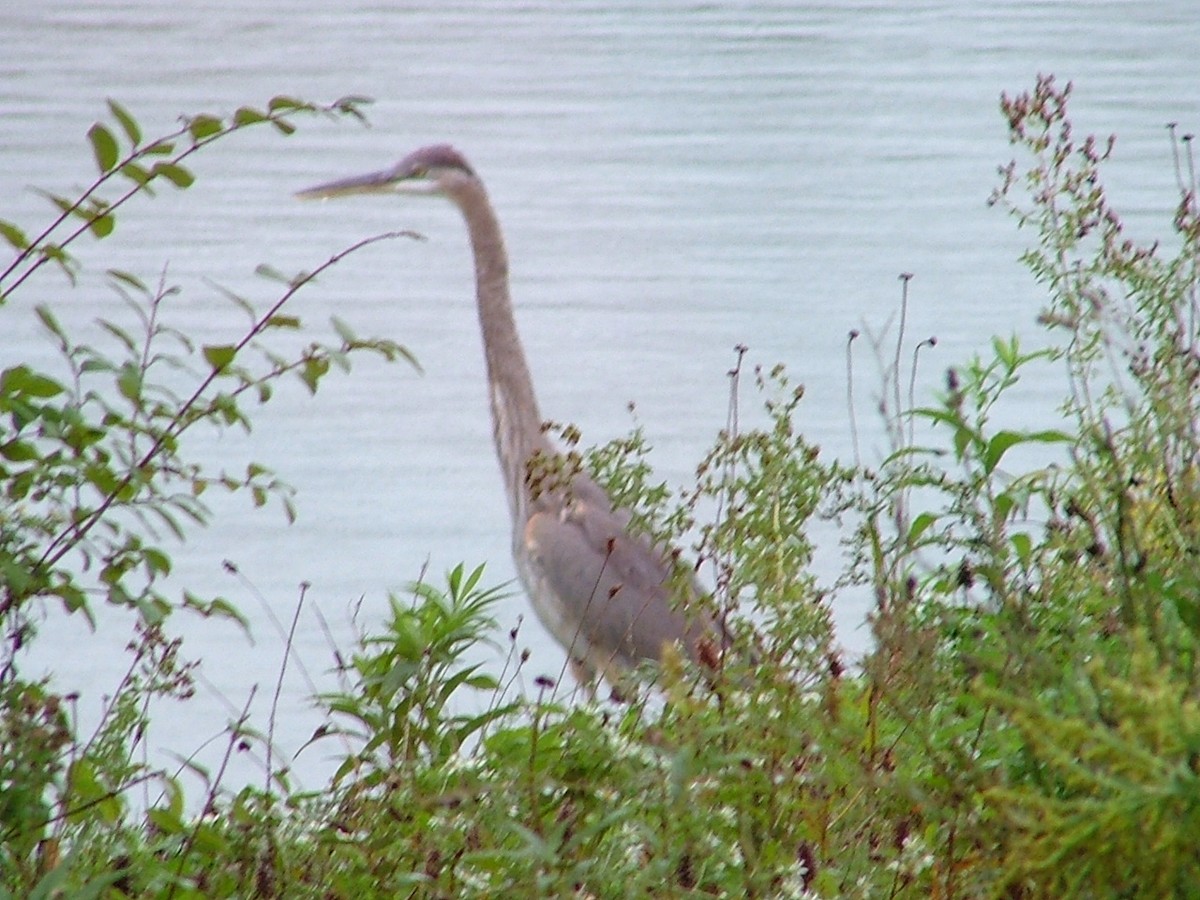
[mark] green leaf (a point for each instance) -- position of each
(283, 127)
(998, 446)
(136, 173)
(247, 115)
(160, 148)
(219, 356)
(218, 607)
(179, 176)
(287, 104)
(14, 235)
(129, 279)
(21, 380)
(962, 437)
(74, 600)
(90, 795)
(263, 270)
(102, 225)
(919, 526)
(1023, 545)
(50, 323)
(104, 147)
(204, 126)
(157, 562)
(166, 821)
(19, 451)
(1050, 436)
(312, 372)
(129, 383)
(128, 123)
(482, 682)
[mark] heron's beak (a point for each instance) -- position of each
(387, 181)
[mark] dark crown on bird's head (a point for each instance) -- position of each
(436, 156)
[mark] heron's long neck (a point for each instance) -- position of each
(516, 421)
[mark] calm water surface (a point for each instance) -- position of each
(674, 179)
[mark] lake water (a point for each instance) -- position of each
(674, 179)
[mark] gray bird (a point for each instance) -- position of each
(610, 597)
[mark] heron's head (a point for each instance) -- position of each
(437, 170)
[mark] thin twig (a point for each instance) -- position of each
(930, 341)
(905, 278)
(288, 650)
(850, 395)
(732, 426)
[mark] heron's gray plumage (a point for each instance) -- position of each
(606, 594)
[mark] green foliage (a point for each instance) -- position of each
(403, 681)
(1033, 642)
(94, 481)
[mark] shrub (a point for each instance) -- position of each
(94, 476)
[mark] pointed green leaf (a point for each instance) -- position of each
(157, 562)
(204, 126)
(24, 381)
(120, 334)
(265, 271)
(50, 322)
(18, 451)
(135, 173)
(14, 235)
(129, 383)
(219, 356)
(128, 123)
(919, 526)
(248, 116)
(285, 103)
(1051, 436)
(104, 146)
(998, 446)
(129, 279)
(176, 174)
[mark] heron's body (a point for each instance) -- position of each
(609, 596)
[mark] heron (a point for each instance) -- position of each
(610, 596)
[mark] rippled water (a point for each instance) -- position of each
(673, 178)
